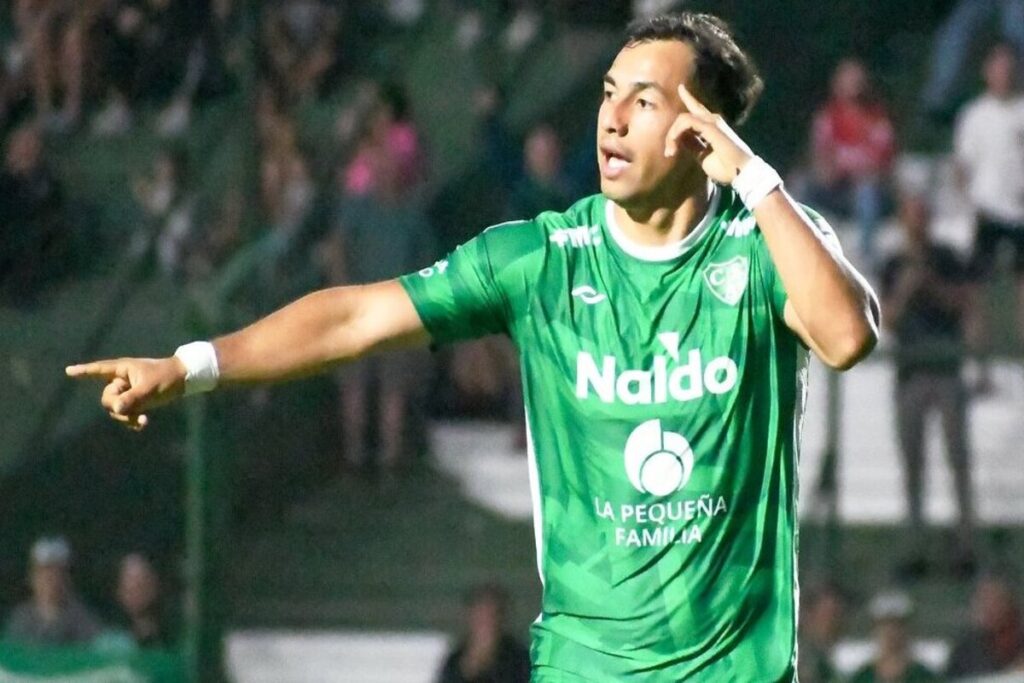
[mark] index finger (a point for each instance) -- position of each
(102, 369)
(694, 105)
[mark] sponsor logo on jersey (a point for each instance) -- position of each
(582, 236)
(727, 281)
(741, 227)
(588, 295)
(657, 461)
(659, 383)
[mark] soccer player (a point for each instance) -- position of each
(663, 329)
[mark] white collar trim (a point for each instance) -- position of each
(662, 252)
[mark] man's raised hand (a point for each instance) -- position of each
(722, 153)
(134, 385)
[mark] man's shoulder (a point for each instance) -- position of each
(22, 616)
(986, 105)
(534, 234)
(22, 610)
(971, 110)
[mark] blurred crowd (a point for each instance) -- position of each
(990, 639)
(137, 613)
(140, 613)
(356, 204)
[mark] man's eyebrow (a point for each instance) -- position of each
(636, 86)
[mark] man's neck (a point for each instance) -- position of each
(1001, 95)
(665, 222)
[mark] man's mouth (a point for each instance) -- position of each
(615, 161)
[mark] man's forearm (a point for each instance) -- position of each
(833, 302)
(319, 330)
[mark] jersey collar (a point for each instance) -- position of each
(663, 252)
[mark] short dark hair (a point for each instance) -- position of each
(726, 75)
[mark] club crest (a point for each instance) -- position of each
(727, 281)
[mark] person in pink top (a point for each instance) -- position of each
(390, 138)
(853, 145)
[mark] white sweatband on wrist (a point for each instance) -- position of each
(201, 369)
(755, 181)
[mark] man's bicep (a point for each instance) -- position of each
(388, 317)
(459, 297)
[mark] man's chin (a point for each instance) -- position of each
(616, 192)
(625, 200)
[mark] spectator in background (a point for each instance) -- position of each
(925, 298)
(220, 238)
(500, 154)
(379, 235)
(16, 72)
(953, 43)
(995, 641)
(822, 611)
(486, 653)
(893, 661)
(542, 186)
(169, 207)
(300, 38)
(151, 53)
(141, 607)
(286, 185)
(54, 615)
(989, 150)
(853, 145)
(54, 32)
(32, 228)
(389, 140)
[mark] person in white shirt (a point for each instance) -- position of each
(989, 148)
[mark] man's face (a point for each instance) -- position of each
(850, 81)
(137, 586)
(49, 583)
(542, 153)
(484, 618)
(891, 635)
(826, 617)
(999, 71)
(993, 604)
(23, 151)
(641, 101)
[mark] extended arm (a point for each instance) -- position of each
(318, 331)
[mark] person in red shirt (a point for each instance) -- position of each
(853, 144)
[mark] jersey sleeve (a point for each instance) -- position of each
(472, 292)
(772, 281)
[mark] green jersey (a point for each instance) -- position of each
(662, 391)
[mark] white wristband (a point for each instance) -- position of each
(755, 181)
(201, 369)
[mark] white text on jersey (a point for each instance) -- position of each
(657, 384)
(583, 236)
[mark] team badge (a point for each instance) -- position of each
(727, 281)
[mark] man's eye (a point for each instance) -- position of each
(644, 104)
(607, 94)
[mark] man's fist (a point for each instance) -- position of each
(134, 385)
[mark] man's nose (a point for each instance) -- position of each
(614, 119)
